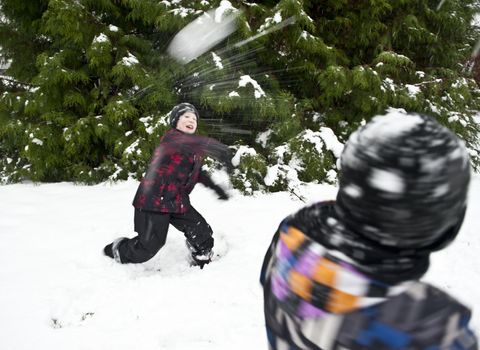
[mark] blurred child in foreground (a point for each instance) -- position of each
(345, 274)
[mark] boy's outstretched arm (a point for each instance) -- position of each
(207, 146)
(206, 180)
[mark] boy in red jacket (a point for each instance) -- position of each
(162, 197)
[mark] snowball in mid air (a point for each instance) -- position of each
(203, 33)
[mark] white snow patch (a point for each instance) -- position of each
(389, 84)
(324, 137)
(288, 172)
(233, 94)
(317, 117)
(246, 79)
(37, 141)
(101, 38)
(182, 11)
(277, 18)
(280, 151)
(129, 60)
(476, 118)
(476, 19)
(112, 28)
(217, 60)
(147, 123)
(242, 150)
(456, 117)
(460, 83)
(420, 74)
(433, 107)
(306, 36)
(263, 137)
(271, 21)
(292, 177)
(67, 136)
(272, 175)
(331, 141)
(332, 176)
(132, 148)
(413, 90)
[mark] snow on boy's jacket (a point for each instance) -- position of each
(174, 170)
(316, 298)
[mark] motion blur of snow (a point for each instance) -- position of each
(204, 33)
(60, 292)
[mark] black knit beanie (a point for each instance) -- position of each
(179, 110)
(403, 182)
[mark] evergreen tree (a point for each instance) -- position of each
(90, 82)
(345, 61)
(98, 89)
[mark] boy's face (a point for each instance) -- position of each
(187, 123)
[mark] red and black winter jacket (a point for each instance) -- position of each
(174, 170)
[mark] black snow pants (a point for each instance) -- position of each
(152, 228)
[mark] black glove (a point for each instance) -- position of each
(207, 181)
(223, 196)
(221, 193)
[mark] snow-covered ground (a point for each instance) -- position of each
(59, 292)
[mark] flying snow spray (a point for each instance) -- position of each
(440, 4)
(203, 33)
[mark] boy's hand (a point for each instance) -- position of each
(223, 196)
(221, 193)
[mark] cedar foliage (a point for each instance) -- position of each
(89, 83)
